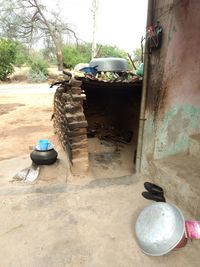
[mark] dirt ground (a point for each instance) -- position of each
(75, 224)
(87, 226)
(24, 119)
(109, 161)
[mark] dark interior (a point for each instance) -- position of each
(112, 111)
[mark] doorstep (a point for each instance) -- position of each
(179, 175)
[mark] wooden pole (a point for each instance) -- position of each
(95, 12)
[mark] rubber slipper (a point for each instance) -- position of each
(157, 198)
(153, 188)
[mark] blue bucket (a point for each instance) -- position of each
(43, 144)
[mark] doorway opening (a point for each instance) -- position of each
(112, 112)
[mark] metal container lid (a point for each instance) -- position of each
(109, 64)
(159, 228)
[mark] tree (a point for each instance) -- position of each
(137, 55)
(136, 58)
(7, 58)
(22, 54)
(29, 20)
(111, 51)
(73, 55)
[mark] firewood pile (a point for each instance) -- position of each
(70, 123)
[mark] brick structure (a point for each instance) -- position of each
(70, 123)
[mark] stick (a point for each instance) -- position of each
(132, 62)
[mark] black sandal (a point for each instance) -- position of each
(157, 198)
(154, 189)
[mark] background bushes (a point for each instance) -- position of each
(38, 70)
(7, 58)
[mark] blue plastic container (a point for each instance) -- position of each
(90, 70)
(140, 70)
(43, 144)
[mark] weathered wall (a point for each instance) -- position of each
(70, 123)
(173, 99)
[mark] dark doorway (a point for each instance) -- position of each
(112, 111)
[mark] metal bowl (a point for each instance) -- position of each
(159, 228)
(109, 64)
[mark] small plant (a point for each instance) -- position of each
(38, 70)
(39, 65)
(36, 77)
(7, 58)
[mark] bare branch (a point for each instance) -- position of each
(27, 20)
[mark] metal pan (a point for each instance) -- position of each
(110, 64)
(159, 228)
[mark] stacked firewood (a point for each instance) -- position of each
(70, 123)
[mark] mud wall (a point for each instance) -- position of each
(173, 97)
(70, 123)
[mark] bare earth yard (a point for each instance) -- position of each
(89, 224)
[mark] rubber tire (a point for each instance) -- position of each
(47, 157)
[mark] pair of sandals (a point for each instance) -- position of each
(154, 192)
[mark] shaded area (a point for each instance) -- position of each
(112, 111)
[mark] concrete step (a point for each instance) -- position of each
(179, 176)
(194, 145)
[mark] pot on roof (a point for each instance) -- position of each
(109, 64)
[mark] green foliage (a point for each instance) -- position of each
(112, 51)
(85, 50)
(38, 69)
(49, 54)
(7, 58)
(137, 54)
(22, 55)
(73, 55)
(39, 65)
(36, 77)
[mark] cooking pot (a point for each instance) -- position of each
(109, 64)
(160, 228)
(44, 157)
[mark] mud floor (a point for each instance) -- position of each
(109, 160)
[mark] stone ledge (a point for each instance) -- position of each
(194, 145)
(179, 175)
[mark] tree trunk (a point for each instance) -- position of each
(53, 36)
(60, 59)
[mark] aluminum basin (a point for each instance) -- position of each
(159, 228)
(109, 64)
